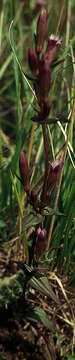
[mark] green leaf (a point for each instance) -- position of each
(40, 283)
(2, 224)
(49, 211)
(16, 192)
(70, 357)
(2, 356)
(11, 288)
(38, 314)
(31, 220)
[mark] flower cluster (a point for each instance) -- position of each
(40, 65)
(53, 171)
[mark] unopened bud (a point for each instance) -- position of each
(41, 31)
(24, 171)
(33, 62)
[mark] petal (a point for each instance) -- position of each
(56, 165)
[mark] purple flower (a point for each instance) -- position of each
(54, 169)
(52, 43)
(56, 165)
(41, 233)
(41, 236)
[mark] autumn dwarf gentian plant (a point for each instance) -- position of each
(40, 63)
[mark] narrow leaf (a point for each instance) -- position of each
(49, 211)
(31, 220)
(39, 314)
(16, 192)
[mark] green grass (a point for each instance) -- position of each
(16, 113)
(18, 132)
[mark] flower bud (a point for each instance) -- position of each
(41, 31)
(24, 171)
(33, 62)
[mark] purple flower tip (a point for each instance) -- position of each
(54, 39)
(38, 231)
(41, 233)
(56, 165)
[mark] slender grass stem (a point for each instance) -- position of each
(60, 16)
(51, 142)
(37, 158)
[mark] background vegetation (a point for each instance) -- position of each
(16, 104)
(18, 132)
